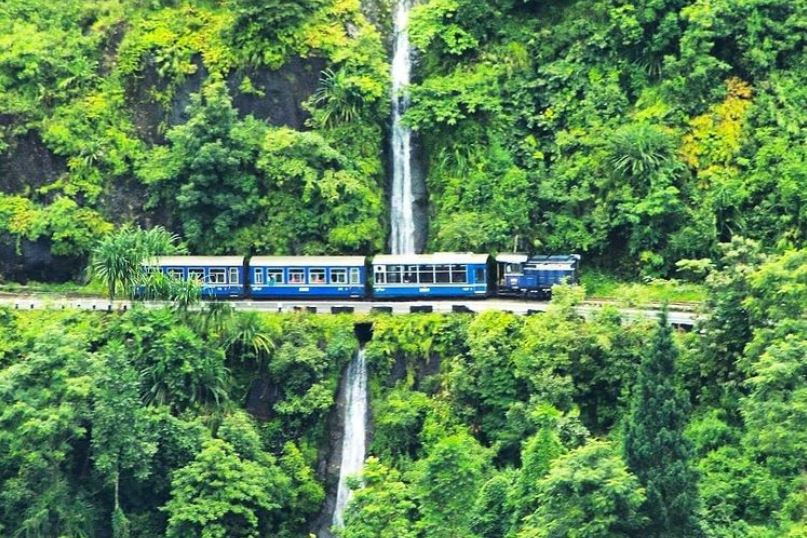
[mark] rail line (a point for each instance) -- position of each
(677, 317)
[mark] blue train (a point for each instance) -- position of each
(395, 277)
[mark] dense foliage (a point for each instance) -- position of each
(643, 132)
(652, 136)
(157, 423)
(636, 133)
(214, 423)
(244, 126)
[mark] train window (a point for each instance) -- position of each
(258, 277)
(380, 274)
(234, 279)
(316, 276)
(274, 276)
(410, 274)
(394, 274)
(442, 274)
(355, 275)
(177, 274)
(296, 276)
(338, 276)
(427, 274)
(512, 268)
(218, 276)
(479, 275)
(197, 274)
(459, 275)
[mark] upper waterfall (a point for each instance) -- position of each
(402, 216)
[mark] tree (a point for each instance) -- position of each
(727, 327)
(382, 507)
(45, 408)
(220, 495)
(537, 456)
(120, 439)
(589, 493)
(655, 447)
(207, 175)
(492, 512)
(448, 482)
(182, 370)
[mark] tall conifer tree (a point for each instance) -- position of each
(655, 447)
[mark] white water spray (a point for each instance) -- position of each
(402, 215)
(354, 432)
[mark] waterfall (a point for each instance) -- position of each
(402, 216)
(354, 432)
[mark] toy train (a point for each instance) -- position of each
(384, 276)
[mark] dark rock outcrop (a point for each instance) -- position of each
(123, 201)
(27, 163)
(277, 96)
(150, 117)
(35, 261)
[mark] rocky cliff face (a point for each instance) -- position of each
(27, 163)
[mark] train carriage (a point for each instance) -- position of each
(221, 277)
(301, 277)
(442, 274)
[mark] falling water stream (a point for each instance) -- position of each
(354, 434)
(402, 240)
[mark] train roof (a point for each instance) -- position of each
(555, 258)
(438, 258)
(307, 261)
(512, 258)
(185, 261)
(556, 262)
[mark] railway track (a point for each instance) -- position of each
(677, 316)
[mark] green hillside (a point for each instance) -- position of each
(635, 133)
(221, 424)
(663, 140)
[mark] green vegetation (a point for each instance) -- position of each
(138, 105)
(172, 422)
(135, 422)
(637, 134)
(661, 139)
(601, 285)
(117, 258)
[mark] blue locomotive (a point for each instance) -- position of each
(407, 276)
(522, 275)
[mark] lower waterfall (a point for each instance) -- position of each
(354, 433)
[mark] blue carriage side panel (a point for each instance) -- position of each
(304, 277)
(439, 275)
(221, 277)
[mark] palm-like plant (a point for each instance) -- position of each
(184, 293)
(117, 257)
(638, 149)
(182, 371)
(337, 98)
(248, 335)
(115, 262)
(216, 319)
